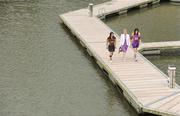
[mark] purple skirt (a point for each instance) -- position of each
(124, 48)
(135, 44)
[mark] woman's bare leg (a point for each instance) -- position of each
(135, 54)
(110, 55)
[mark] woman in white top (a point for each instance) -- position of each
(124, 43)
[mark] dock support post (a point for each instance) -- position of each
(155, 1)
(172, 76)
(143, 5)
(122, 12)
(89, 52)
(101, 13)
(90, 9)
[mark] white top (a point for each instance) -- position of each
(122, 39)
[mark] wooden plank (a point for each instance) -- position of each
(163, 101)
(154, 91)
(147, 89)
(175, 108)
(178, 112)
(141, 77)
(140, 95)
(169, 104)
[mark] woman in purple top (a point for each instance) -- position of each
(135, 40)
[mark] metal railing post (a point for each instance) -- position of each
(90, 9)
(172, 76)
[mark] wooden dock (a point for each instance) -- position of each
(143, 85)
(161, 45)
(157, 47)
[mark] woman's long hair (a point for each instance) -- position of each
(136, 29)
(110, 34)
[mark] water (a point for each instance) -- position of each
(170, 57)
(157, 23)
(44, 71)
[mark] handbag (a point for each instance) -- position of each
(120, 49)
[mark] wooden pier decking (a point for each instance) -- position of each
(155, 48)
(161, 45)
(143, 85)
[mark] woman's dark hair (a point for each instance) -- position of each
(136, 29)
(111, 33)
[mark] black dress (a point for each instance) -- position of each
(111, 46)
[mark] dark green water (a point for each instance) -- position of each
(44, 71)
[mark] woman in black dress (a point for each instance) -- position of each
(111, 44)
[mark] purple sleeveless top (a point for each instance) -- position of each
(135, 43)
(136, 37)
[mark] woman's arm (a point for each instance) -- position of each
(115, 42)
(140, 38)
(107, 43)
(129, 41)
(122, 40)
(131, 38)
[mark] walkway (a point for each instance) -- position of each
(161, 45)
